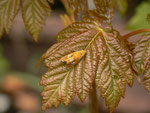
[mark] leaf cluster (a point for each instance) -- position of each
(34, 14)
(109, 61)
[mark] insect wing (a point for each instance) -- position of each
(70, 58)
(73, 58)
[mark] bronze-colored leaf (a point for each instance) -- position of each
(34, 14)
(142, 59)
(73, 29)
(67, 20)
(114, 69)
(79, 7)
(61, 82)
(107, 60)
(8, 11)
(104, 10)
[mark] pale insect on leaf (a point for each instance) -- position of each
(74, 57)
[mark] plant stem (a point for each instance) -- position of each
(93, 100)
(135, 32)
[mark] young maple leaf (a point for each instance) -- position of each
(107, 62)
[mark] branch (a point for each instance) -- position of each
(93, 100)
(135, 32)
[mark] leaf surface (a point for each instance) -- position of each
(114, 69)
(78, 6)
(142, 59)
(34, 14)
(8, 11)
(107, 61)
(104, 10)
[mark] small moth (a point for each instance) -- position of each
(74, 57)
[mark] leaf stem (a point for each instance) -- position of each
(93, 100)
(135, 32)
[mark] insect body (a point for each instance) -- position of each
(74, 57)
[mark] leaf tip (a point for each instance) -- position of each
(82, 98)
(43, 108)
(42, 94)
(35, 38)
(41, 82)
(38, 63)
(139, 79)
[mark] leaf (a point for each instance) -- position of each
(78, 6)
(67, 20)
(121, 5)
(107, 59)
(73, 29)
(104, 10)
(114, 70)
(61, 82)
(138, 21)
(142, 59)
(34, 14)
(8, 11)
